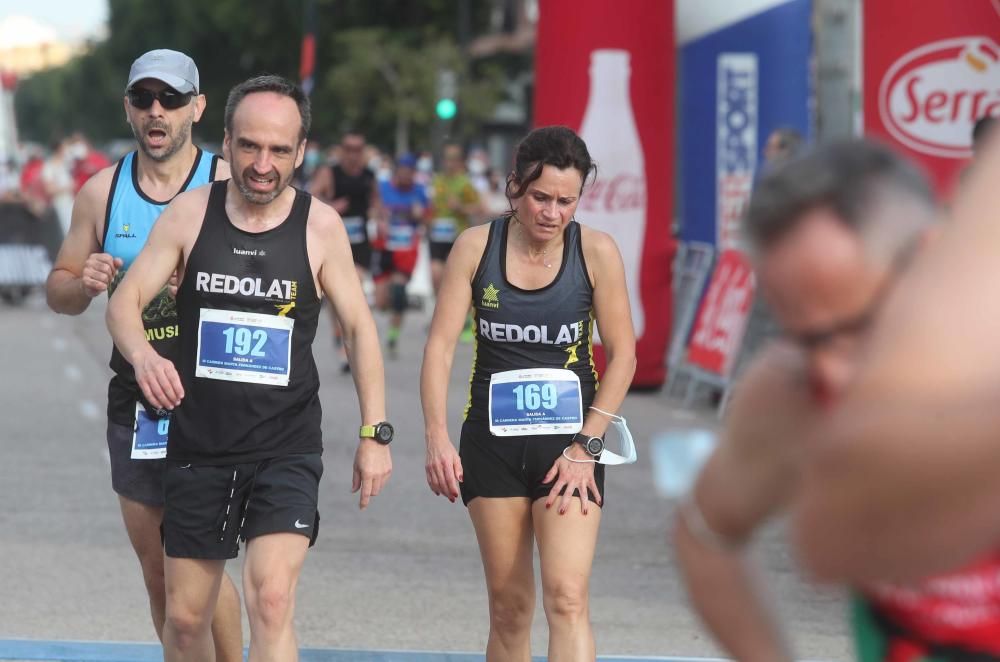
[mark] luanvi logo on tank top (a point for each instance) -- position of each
(251, 252)
(491, 297)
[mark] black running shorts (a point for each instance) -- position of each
(137, 480)
(497, 467)
(209, 509)
(440, 250)
(362, 253)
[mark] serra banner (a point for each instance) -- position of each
(925, 86)
(608, 72)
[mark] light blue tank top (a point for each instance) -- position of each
(128, 220)
(130, 213)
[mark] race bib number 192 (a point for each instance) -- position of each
(244, 347)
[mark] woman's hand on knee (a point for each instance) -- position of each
(572, 476)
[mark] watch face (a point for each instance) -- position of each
(595, 446)
(384, 433)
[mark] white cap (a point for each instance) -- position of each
(171, 67)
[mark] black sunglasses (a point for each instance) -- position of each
(142, 98)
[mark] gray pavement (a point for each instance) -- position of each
(404, 575)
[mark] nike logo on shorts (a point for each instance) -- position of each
(300, 525)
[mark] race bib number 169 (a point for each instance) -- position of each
(535, 401)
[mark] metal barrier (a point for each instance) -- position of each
(693, 384)
(23, 265)
(692, 267)
(28, 246)
(761, 327)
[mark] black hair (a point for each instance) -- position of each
(557, 146)
(982, 128)
(790, 140)
(845, 176)
(270, 83)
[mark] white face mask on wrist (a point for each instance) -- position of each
(626, 446)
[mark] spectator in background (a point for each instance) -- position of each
(36, 197)
(478, 165)
(495, 202)
(87, 161)
(425, 168)
(58, 182)
(455, 204)
(350, 187)
(10, 181)
(403, 209)
(783, 144)
(311, 162)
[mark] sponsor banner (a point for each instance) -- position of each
(722, 318)
(735, 143)
(927, 85)
(754, 72)
(608, 72)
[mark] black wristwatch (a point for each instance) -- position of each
(593, 445)
(380, 432)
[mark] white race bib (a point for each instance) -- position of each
(400, 236)
(237, 346)
(357, 230)
(535, 401)
(149, 435)
(444, 230)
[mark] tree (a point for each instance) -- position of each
(376, 65)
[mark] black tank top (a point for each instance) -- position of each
(357, 189)
(551, 327)
(229, 422)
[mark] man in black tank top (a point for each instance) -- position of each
(257, 255)
(351, 188)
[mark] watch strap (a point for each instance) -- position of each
(367, 432)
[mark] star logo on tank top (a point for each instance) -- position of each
(491, 297)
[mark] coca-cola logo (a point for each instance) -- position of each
(623, 192)
(930, 97)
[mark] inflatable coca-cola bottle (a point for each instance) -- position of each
(616, 201)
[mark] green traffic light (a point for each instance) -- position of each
(446, 109)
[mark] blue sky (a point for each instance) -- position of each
(70, 18)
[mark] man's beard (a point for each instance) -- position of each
(172, 146)
(259, 197)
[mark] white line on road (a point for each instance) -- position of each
(89, 410)
(72, 372)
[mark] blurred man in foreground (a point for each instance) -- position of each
(832, 232)
(901, 480)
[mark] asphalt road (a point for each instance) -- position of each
(405, 574)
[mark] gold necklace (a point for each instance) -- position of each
(532, 255)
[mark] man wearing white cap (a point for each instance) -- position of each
(113, 215)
